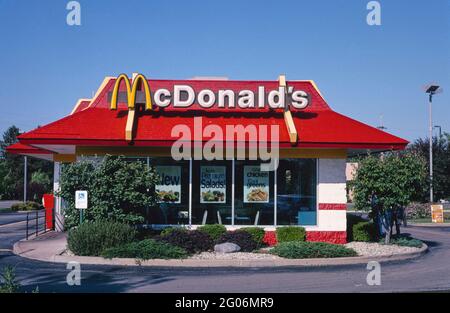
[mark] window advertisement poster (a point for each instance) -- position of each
(168, 189)
(256, 185)
(213, 184)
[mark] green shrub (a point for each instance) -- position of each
(242, 238)
(214, 231)
(257, 234)
(118, 189)
(145, 250)
(306, 250)
(405, 241)
(192, 241)
(167, 231)
(8, 281)
(290, 233)
(365, 231)
(91, 238)
(351, 221)
(26, 206)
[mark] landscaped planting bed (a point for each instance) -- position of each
(118, 240)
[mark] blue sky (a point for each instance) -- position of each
(363, 71)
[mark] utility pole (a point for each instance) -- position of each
(25, 178)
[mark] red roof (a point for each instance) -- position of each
(19, 148)
(317, 125)
(81, 106)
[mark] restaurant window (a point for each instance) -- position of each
(211, 192)
(172, 193)
(296, 192)
(254, 197)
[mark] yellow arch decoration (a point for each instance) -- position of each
(115, 92)
(148, 99)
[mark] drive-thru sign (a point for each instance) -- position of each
(81, 202)
(81, 199)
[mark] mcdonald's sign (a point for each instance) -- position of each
(131, 91)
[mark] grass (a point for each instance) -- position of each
(428, 219)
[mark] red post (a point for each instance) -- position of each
(48, 200)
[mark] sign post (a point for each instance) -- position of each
(81, 202)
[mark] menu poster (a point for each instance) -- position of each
(168, 189)
(213, 184)
(256, 185)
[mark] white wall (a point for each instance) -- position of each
(59, 217)
(331, 190)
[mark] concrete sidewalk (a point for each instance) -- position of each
(44, 247)
(50, 247)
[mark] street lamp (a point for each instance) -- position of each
(431, 90)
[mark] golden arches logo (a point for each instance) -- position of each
(131, 91)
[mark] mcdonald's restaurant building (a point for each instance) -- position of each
(155, 120)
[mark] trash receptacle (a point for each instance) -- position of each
(48, 201)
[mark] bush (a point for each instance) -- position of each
(351, 221)
(405, 241)
(145, 250)
(418, 210)
(193, 241)
(214, 231)
(242, 238)
(290, 233)
(270, 238)
(306, 250)
(27, 206)
(167, 231)
(365, 231)
(257, 234)
(91, 238)
(118, 189)
(8, 281)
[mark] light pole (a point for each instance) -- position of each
(431, 90)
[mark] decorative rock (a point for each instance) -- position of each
(227, 247)
(374, 249)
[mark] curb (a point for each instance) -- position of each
(189, 263)
(428, 225)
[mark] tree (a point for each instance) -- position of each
(39, 185)
(441, 166)
(386, 184)
(11, 167)
(117, 189)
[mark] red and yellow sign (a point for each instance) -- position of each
(437, 213)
